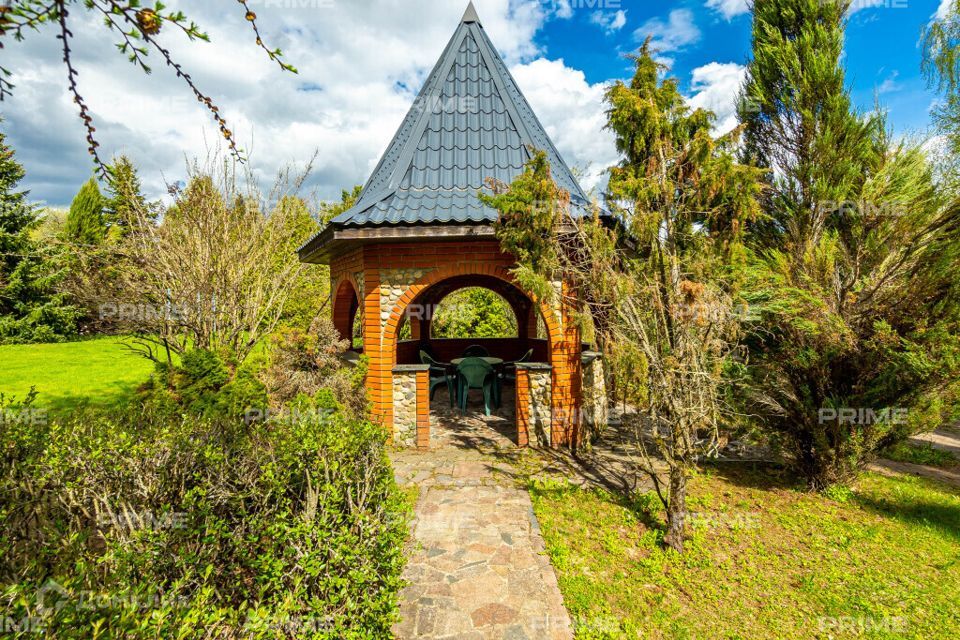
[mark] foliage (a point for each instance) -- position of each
(330, 210)
(125, 198)
(941, 67)
(312, 286)
(851, 280)
(218, 272)
(32, 309)
(85, 223)
(140, 525)
(137, 27)
(925, 454)
(473, 312)
(307, 364)
(765, 559)
(664, 314)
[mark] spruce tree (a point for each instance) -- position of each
(32, 309)
(17, 217)
(85, 223)
(850, 274)
(125, 200)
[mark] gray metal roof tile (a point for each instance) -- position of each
(469, 123)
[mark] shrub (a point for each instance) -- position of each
(205, 385)
(308, 364)
(143, 526)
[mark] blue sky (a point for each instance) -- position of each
(882, 48)
(361, 63)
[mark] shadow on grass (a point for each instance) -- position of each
(916, 507)
(64, 406)
(765, 476)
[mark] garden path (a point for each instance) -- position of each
(477, 566)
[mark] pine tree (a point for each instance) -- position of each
(850, 272)
(663, 313)
(85, 224)
(125, 200)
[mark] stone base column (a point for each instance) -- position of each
(411, 405)
(534, 398)
(595, 407)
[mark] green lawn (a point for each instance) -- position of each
(924, 454)
(766, 560)
(98, 372)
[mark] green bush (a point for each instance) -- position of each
(205, 385)
(140, 525)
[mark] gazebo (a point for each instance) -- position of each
(418, 232)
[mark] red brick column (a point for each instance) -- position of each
(423, 408)
(522, 399)
(379, 371)
(567, 380)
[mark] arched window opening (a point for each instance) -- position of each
(473, 312)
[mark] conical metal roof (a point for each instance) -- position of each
(469, 123)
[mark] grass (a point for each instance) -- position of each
(924, 454)
(99, 373)
(765, 560)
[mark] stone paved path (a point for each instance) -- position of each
(477, 565)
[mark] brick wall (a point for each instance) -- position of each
(394, 274)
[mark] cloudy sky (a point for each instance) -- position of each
(361, 63)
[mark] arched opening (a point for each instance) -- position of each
(473, 312)
(346, 303)
(508, 339)
(463, 312)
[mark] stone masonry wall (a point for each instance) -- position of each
(404, 408)
(538, 397)
(595, 406)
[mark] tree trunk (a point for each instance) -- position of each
(676, 510)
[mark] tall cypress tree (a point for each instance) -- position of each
(85, 224)
(851, 270)
(799, 119)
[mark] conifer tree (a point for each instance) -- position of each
(851, 275)
(85, 223)
(17, 217)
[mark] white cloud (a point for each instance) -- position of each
(361, 64)
(729, 9)
(610, 22)
(563, 10)
(890, 84)
(716, 86)
(676, 33)
(944, 9)
(574, 114)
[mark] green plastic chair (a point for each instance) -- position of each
(475, 373)
(475, 351)
(440, 374)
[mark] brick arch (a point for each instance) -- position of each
(516, 299)
(389, 343)
(557, 342)
(346, 302)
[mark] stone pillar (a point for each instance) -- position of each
(534, 399)
(595, 406)
(411, 405)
